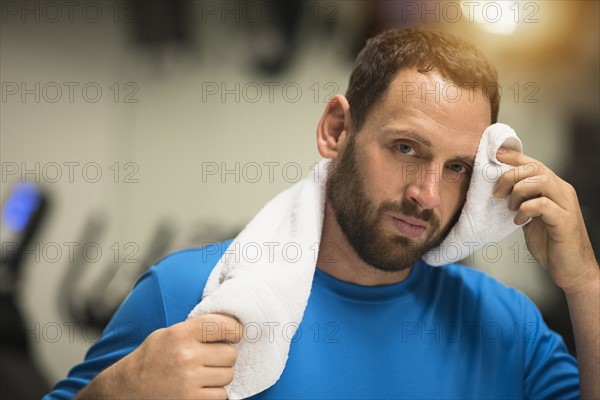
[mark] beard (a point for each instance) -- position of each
(361, 220)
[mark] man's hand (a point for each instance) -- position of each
(556, 236)
(190, 360)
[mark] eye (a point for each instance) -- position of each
(458, 168)
(406, 149)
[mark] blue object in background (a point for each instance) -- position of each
(24, 200)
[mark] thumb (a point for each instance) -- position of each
(211, 328)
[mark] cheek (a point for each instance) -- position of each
(378, 177)
(391, 184)
(375, 187)
(453, 197)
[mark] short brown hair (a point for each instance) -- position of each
(391, 51)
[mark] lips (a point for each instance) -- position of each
(409, 227)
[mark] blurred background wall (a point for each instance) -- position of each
(154, 126)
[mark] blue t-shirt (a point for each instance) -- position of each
(443, 333)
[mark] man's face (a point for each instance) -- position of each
(400, 182)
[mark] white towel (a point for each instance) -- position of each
(264, 279)
(484, 219)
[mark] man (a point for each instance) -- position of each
(380, 323)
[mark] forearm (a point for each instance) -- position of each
(584, 307)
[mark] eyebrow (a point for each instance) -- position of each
(465, 159)
(418, 138)
(407, 133)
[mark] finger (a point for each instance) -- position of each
(210, 328)
(513, 157)
(507, 181)
(538, 186)
(216, 376)
(219, 355)
(541, 207)
(210, 393)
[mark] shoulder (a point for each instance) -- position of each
(463, 277)
(181, 277)
(505, 320)
(476, 288)
(162, 296)
(196, 263)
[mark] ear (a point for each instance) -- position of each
(332, 130)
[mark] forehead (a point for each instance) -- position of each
(451, 117)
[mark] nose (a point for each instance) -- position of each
(424, 190)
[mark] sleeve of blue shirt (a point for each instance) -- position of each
(548, 372)
(551, 372)
(131, 324)
(174, 284)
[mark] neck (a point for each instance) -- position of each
(337, 258)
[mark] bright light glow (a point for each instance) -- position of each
(493, 16)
